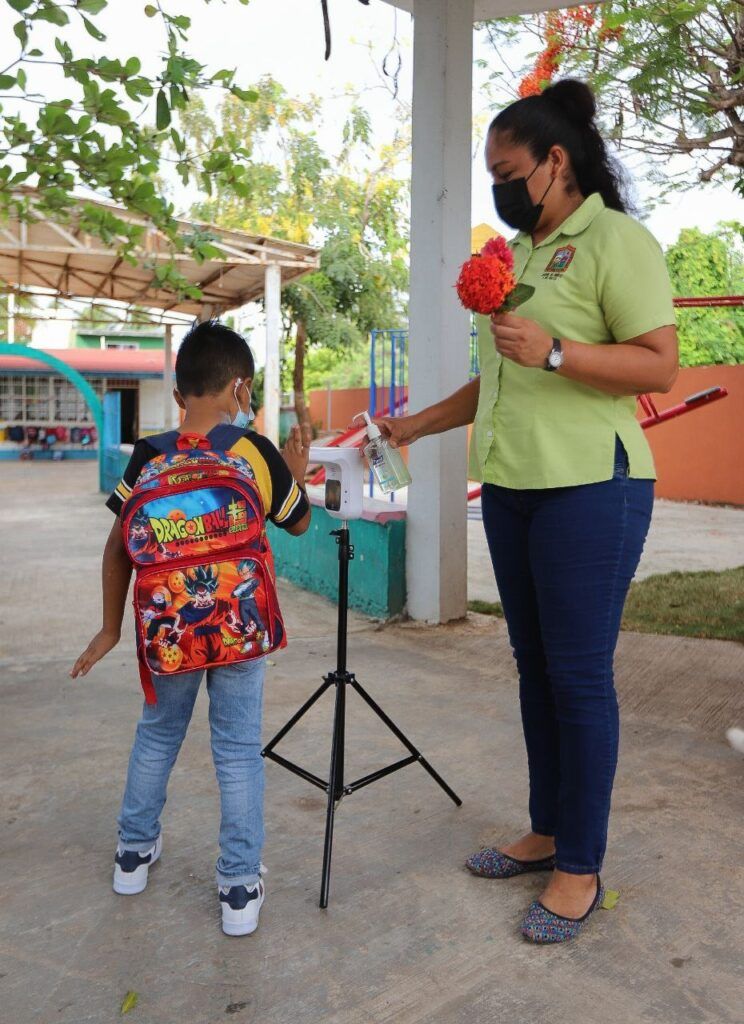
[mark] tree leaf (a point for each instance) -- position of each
(19, 5)
(92, 30)
(91, 6)
(611, 897)
(150, 11)
(130, 1001)
(20, 31)
(247, 95)
(520, 294)
(163, 114)
(6, 82)
(53, 14)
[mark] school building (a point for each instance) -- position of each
(43, 415)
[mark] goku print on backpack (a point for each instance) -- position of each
(194, 528)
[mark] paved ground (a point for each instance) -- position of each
(683, 537)
(409, 937)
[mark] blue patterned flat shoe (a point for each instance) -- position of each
(490, 863)
(543, 926)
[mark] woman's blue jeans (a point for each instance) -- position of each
(564, 558)
(235, 710)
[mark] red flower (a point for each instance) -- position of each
(485, 281)
(498, 247)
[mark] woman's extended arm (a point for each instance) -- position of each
(632, 367)
(457, 410)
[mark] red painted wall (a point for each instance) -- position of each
(700, 456)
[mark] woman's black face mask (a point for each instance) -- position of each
(514, 204)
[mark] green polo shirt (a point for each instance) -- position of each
(599, 279)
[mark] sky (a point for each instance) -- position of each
(285, 38)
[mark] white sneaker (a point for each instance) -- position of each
(241, 905)
(131, 867)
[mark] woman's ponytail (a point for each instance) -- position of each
(563, 115)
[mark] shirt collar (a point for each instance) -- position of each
(574, 224)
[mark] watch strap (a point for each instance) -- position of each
(556, 348)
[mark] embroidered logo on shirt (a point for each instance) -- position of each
(560, 260)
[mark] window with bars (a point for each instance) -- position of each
(41, 400)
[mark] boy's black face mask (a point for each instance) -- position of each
(514, 204)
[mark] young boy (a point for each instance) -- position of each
(214, 373)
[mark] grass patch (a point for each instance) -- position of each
(486, 608)
(708, 605)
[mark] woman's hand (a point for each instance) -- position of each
(521, 340)
(399, 430)
(99, 646)
(296, 452)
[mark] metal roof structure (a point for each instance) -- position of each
(93, 362)
(485, 9)
(59, 258)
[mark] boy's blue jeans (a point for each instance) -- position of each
(564, 558)
(235, 710)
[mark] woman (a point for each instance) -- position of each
(567, 473)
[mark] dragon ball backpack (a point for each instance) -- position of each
(195, 530)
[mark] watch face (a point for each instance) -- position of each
(555, 359)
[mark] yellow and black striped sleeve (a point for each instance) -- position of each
(141, 454)
(285, 503)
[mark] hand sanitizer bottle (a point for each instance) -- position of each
(385, 462)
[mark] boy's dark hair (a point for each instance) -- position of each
(209, 357)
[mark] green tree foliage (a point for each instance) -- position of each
(111, 128)
(669, 73)
(703, 264)
(350, 201)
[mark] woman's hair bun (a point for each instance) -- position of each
(575, 99)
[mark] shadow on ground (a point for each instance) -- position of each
(409, 937)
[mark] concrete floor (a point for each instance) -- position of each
(684, 537)
(410, 937)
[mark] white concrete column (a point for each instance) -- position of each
(272, 380)
(168, 378)
(439, 326)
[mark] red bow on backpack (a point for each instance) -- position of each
(190, 442)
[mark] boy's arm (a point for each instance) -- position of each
(296, 453)
(115, 576)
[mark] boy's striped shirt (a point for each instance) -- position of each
(284, 502)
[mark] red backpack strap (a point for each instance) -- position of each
(145, 674)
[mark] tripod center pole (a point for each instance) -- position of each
(345, 554)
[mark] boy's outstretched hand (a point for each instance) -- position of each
(99, 646)
(296, 452)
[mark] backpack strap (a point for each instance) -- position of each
(164, 443)
(222, 438)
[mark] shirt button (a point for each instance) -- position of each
(489, 434)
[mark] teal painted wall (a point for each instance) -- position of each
(377, 579)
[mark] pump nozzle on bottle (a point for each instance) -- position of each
(373, 431)
(385, 462)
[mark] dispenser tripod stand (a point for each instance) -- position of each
(336, 788)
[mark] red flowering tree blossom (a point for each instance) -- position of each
(669, 78)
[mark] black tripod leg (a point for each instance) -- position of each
(298, 715)
(335, 783)
(405, 741)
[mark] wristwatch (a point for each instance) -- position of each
(555, 356)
